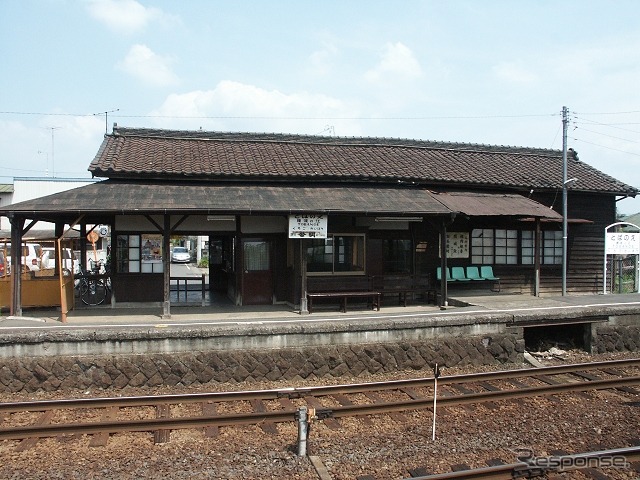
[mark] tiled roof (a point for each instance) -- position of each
(168, 154)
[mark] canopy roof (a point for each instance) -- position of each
(111, 197)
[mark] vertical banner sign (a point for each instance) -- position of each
(308, 225)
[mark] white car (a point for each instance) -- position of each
(31, 255)
(180, 255)
(49, 259)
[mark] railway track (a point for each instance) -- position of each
(100, 417)
(589, 462)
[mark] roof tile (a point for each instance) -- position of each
(168, 154)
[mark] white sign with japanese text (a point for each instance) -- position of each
(622, 243)
(308, 225)
(457, 245)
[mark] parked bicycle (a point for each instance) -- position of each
(93, 286)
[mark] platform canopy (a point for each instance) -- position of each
(117, 197)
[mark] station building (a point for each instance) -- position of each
(287, 214)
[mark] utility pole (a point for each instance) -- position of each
(106, 118)
(564, 200)
(53, 165)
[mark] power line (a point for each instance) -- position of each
(610, 136)
(609, 113)
(610, 125)
(268, 117)
(603, 146)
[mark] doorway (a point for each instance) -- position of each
(257, 272)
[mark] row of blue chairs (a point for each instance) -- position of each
(471, 273)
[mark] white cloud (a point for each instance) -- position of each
(149, 67)
(124, 16)
(397, 63)
(233, 105)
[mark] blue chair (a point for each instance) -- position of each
(473, 273)
(486, 272)
(439, 275)
(457, 273)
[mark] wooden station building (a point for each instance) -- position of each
(285, 214)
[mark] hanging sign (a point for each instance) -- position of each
(308, 225)
(93, 236)
(622, 243)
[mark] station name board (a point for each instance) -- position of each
(622, 243)
(308, 225)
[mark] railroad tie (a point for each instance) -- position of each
(419, 472)
(631, 390)
(344, 400)
(209, 409)
(28, 443)
(321, 470)
(162, 435)
(267, 427)
(490, 388)
(331, 423)
(100, 439)
(396, 416)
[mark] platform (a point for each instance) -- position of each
(470, 303)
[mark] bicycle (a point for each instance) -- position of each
(93, 290)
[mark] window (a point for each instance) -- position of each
(551, 250)
(336, 254)
(396, 255)
(510, 247)
(506, 251)
(482, 243)
(139, 254)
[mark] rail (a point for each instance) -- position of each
(308, 395)
(538, 466)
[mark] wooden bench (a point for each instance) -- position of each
(404, 285)
(343, 288)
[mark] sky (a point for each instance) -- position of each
(484, 71)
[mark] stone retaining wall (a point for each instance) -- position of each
(617, 338)
(30, 374)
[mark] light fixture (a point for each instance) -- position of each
(398, 219)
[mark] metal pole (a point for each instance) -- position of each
(436, 374)
(564, 201)
(303, 427)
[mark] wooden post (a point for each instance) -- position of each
(63, 293)
(303, 280)
(444, 300)
(17, 224)
(166, 266)
(536, 257)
